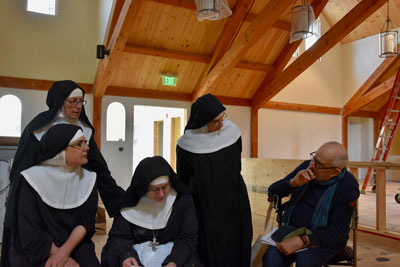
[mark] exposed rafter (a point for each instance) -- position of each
(228, 34)
(302, 107)
(348, 23)
(352, 105)
(286, 54)
(174, 54)
(371, 95)
(116, 46)
(118, 4)
(282, 25)
(263, 21)
(35, 84)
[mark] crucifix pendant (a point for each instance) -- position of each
(154, 244)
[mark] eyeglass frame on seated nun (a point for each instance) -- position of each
(73, 103)
(312, 156)
(80, 144)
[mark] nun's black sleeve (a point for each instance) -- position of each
(120, 243)
(110, 192)
(186, 241)
(87, 214)
(35, 240)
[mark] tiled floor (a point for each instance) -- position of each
(371, 252)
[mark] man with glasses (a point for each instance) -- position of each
(322, 191)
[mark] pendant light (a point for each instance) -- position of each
(208, 9)
(388, 38)
(302, 21)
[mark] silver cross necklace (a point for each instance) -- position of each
(154, 243)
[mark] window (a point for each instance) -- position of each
(156, 131)
(316, 34)
(47, 7)
(297, 52)
(10, 116)
(115, 122)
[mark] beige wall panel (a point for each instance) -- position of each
(259, 174)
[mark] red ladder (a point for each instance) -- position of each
(387, 129)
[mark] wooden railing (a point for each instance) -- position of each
(380, 169)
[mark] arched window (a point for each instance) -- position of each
(115, 122)
(10, 116)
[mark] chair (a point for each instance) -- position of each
(348, 257)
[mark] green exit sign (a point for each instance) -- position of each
(169, 80)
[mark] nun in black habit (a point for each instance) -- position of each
(157, 220)
(209, 163)
(65, 100)
(56, 204)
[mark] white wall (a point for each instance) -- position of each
(294, 135)
(49, 47)
(321, 83)
(359, 60)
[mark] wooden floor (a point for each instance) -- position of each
(371, 252)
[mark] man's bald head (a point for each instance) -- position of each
(335, 153)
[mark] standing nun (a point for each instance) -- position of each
(56, 204)
(209, 163)
(65, 100)
(157, 224)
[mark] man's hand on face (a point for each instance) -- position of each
(302, 177)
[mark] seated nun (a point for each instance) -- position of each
(57, 202)
(157, 223)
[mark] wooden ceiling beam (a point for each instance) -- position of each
(279, 24)
(116, 46)
(372, 80)
(370, 96)
(348, 23)
(243, 42)
(147, 93)
(166, 53)
(302, 107)
(286, 53)
(35, 84)
(118, 4)
(282, 25)
(364, 114)
(225, 39)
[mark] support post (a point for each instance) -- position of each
(254, 133)
(97, 119)
(380, 199)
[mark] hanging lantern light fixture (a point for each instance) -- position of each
(302, 21)
(388, 38)
(208, 9)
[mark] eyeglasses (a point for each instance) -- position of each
(317, 164)
(80, 144)
(74, 103)
(158, 189)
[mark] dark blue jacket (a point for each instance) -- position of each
(332, 238)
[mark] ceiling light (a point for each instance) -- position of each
(388, 38)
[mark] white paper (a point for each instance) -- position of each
(266, 239)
